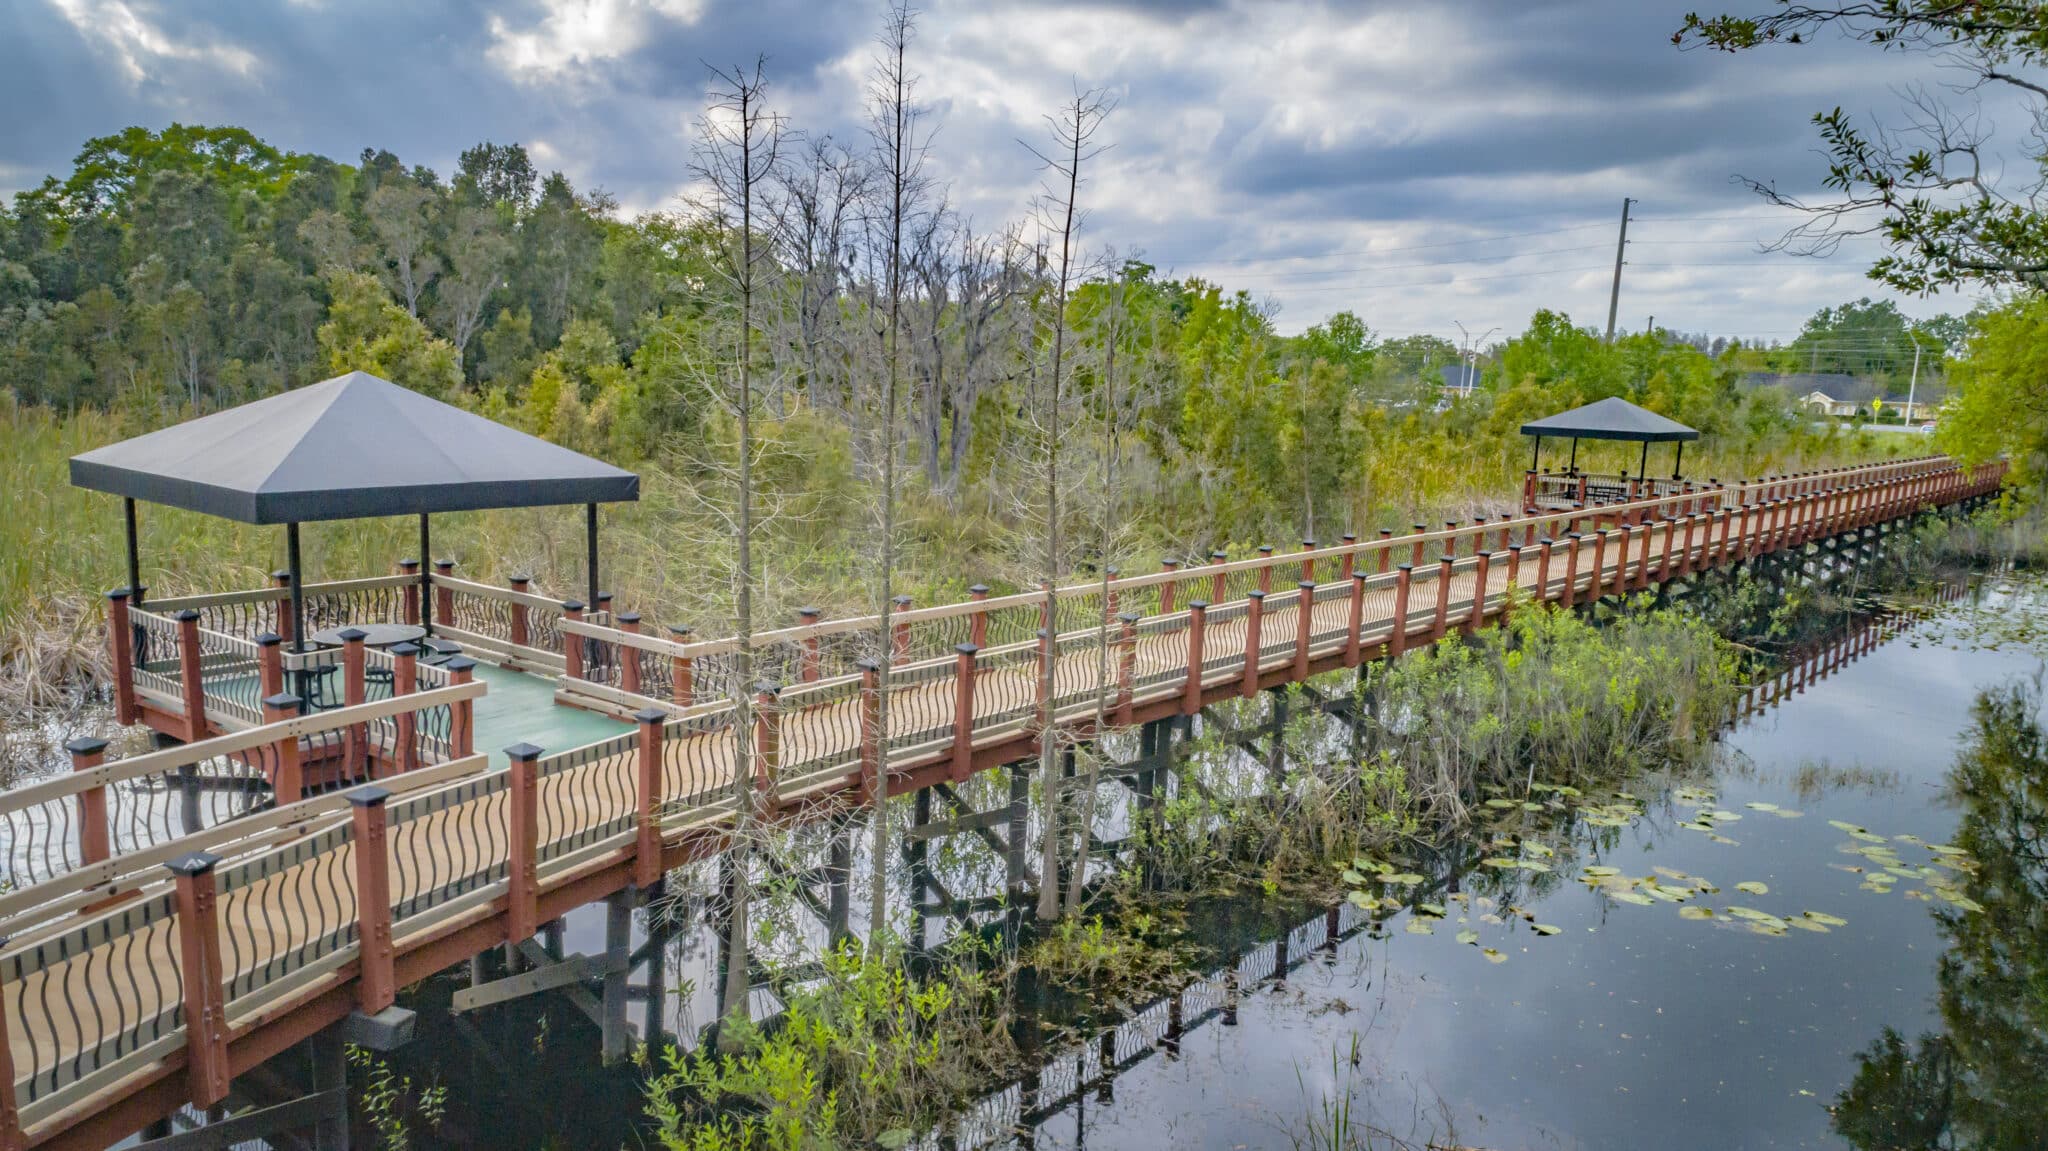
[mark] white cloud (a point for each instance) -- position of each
(573, 37)
(140, 47)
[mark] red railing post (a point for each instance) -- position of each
(1571, 568)
(1113, 596)
(95, 836)
(1386, 549)
(282, 605)
(870, 727)
(629, 656)
(1404, 577)
(1543, 569)
(121, 653)
(682, 670)
(1354, 645)
(1349, 562)
(522, 814)
(1528, 491)
(899, 635)
(1444, 575)
(10, 1111)
(1621, 576)
(807, 666)
(1481, 575)
(572, 645)
(1266, 568)
(444, 595)
(288, 783)
(191, 676)
(1254, 618)
(963, 711)
(1308, 565)
(461, 713)
(1512, 585)
(1597, 586)
(206, 1024)
(356, 755)
(1168, 588)
(1216, 589)
(405, 680)
(1126, 664)
(269, 665)
(409, 595)
(1304, 622)
(522, 623)
(767, 745)
(1415, 557)
(652, 792)
(1198, 616)
(977, 623)
(377, 986)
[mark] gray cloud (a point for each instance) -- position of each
(1388, 158)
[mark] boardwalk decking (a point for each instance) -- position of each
(104, 1030)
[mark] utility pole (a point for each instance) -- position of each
(1914, 385)
(1620, 247)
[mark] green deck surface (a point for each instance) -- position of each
(521, 708)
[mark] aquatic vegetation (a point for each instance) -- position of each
(866, 1054)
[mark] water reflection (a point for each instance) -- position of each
(1982, 1081)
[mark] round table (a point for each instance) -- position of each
(374, 634)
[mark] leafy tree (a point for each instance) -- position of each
(1999, 400)
(366, 331)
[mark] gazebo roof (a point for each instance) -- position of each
(351, 447)
(1610, 419)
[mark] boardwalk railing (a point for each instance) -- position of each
(111, 1015)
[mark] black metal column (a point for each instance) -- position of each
(590, 553)
(134, 555)
(426, 577)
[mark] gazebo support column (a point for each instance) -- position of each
(298, 585)
(426, 576)
(134, 553)
(590, 550)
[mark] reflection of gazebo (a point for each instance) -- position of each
(352, 447)
(1610, 419)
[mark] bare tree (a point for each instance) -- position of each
(821, 191)
(398, 214)
(477, 251)
(901, 143)
(736, 158)
(1059, 214)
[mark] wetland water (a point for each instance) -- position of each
(1640, 1022)
(1634, 1026)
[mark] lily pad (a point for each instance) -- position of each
(1493, 956)
(1754, 806)
(1545, 928)
(1844, 825)
(1420, 926)
(1350, 876)
(1599, 870)
(1404, 878)
(1823, 917)
(1468, 936)
(1752, 887)
(1696, 912)
(1634, 897)
(1805, 924)
(1362, 901)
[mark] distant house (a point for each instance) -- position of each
(1822, 404)
(1843, 396)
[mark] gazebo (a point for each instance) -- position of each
(352, 447)
(1610, 419)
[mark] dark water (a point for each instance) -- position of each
(1631, 1027)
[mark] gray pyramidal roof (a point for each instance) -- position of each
(347, 448)
(1610, 419)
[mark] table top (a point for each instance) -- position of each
(374, 634)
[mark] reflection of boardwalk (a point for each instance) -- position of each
(1818, 661)
(105, 1030)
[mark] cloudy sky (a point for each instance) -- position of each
(1422, 164)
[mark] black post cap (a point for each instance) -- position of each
(186, 616)
(901, 601)
(765, 687)
(520, 577)
(269, 639)
(810, 612)
(118, 593)
(368, 796)
(86, 745)
(1407, 568)
(679, 629)
(523, 751)
(629, 617)
(352, 634)
(1198, 605)
(978, 589)
(197, 863)
(283, 701)
(1307, 585)
(404, 650)
(1129, 616)
(866, 663)
(460, 663)
(966, 649)
(1255, 593)
(650, 715)
(572, 605)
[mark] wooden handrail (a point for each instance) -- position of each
(267, 594)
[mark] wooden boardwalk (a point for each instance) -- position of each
(106, 1028)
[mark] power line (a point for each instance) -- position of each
(1308, 272)
(1379, 251)
(1450, 282)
